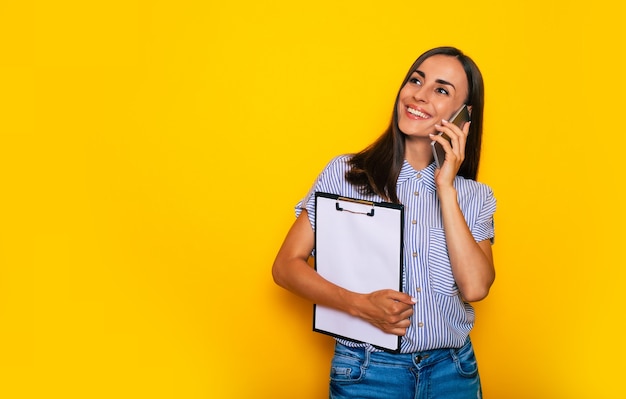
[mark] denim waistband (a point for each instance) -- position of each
(420, 359)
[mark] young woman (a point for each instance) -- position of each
(447, 249)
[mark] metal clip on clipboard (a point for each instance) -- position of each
(370, 203)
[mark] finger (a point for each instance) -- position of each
(445, 130)
(441, 140)
(458, 138)
(457, 134)
(396, 329)
(393, 330)
(453, 127)
(464, 134)
(401, 332)
(407, 313)
(402, 297)
(466, 127)
(463, 142)
(400, 327)
(447, 137)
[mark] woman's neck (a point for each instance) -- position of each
(418, 152)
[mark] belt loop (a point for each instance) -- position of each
(366, 357)
(453, 354)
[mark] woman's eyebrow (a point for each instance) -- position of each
(443, 82)
(440, 81)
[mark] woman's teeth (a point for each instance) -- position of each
(417, 113)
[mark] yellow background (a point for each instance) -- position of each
(151, 153)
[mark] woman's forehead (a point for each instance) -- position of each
(442, 65)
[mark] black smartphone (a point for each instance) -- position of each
(459, 118)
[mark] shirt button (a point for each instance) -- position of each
(419, 176)
(420, 324)
(418, 289)
(416, 193)
(413, 221)
(415, 254)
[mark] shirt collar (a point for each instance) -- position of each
(426, 176)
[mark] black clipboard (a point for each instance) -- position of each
(358, 246)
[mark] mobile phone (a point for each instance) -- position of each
(459, 118)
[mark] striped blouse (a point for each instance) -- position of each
(441, 318)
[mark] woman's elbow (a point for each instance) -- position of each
(277, 273)
(475, 295)
(476, 292)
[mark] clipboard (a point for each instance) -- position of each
(358, 246)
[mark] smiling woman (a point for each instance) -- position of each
(448, 231)
(434, 94)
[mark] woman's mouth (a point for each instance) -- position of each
(417, 113)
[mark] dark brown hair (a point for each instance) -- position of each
(376, 168)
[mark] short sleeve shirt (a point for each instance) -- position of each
(441, 318)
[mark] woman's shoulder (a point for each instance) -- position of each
(340, 160)
(338, 164)
(470, 187)
(333, 178)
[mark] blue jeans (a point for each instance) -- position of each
(435, 374)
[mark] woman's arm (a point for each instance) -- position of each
(472, 262)
(388, 310)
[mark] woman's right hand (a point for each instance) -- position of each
(387, 310)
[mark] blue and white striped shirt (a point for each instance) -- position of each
(441, 318)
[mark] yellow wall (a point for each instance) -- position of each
(151, 153)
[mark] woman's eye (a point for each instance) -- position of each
(441, 90)
(415, 81)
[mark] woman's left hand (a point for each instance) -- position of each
(455, 151)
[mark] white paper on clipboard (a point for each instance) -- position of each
(358, 246)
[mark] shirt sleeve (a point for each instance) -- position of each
(483, 227)
(329, 181)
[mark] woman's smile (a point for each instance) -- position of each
(417, 113)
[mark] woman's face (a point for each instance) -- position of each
(434, 92)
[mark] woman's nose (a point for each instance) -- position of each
(420, 95)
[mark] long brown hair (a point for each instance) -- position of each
(376, 168)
